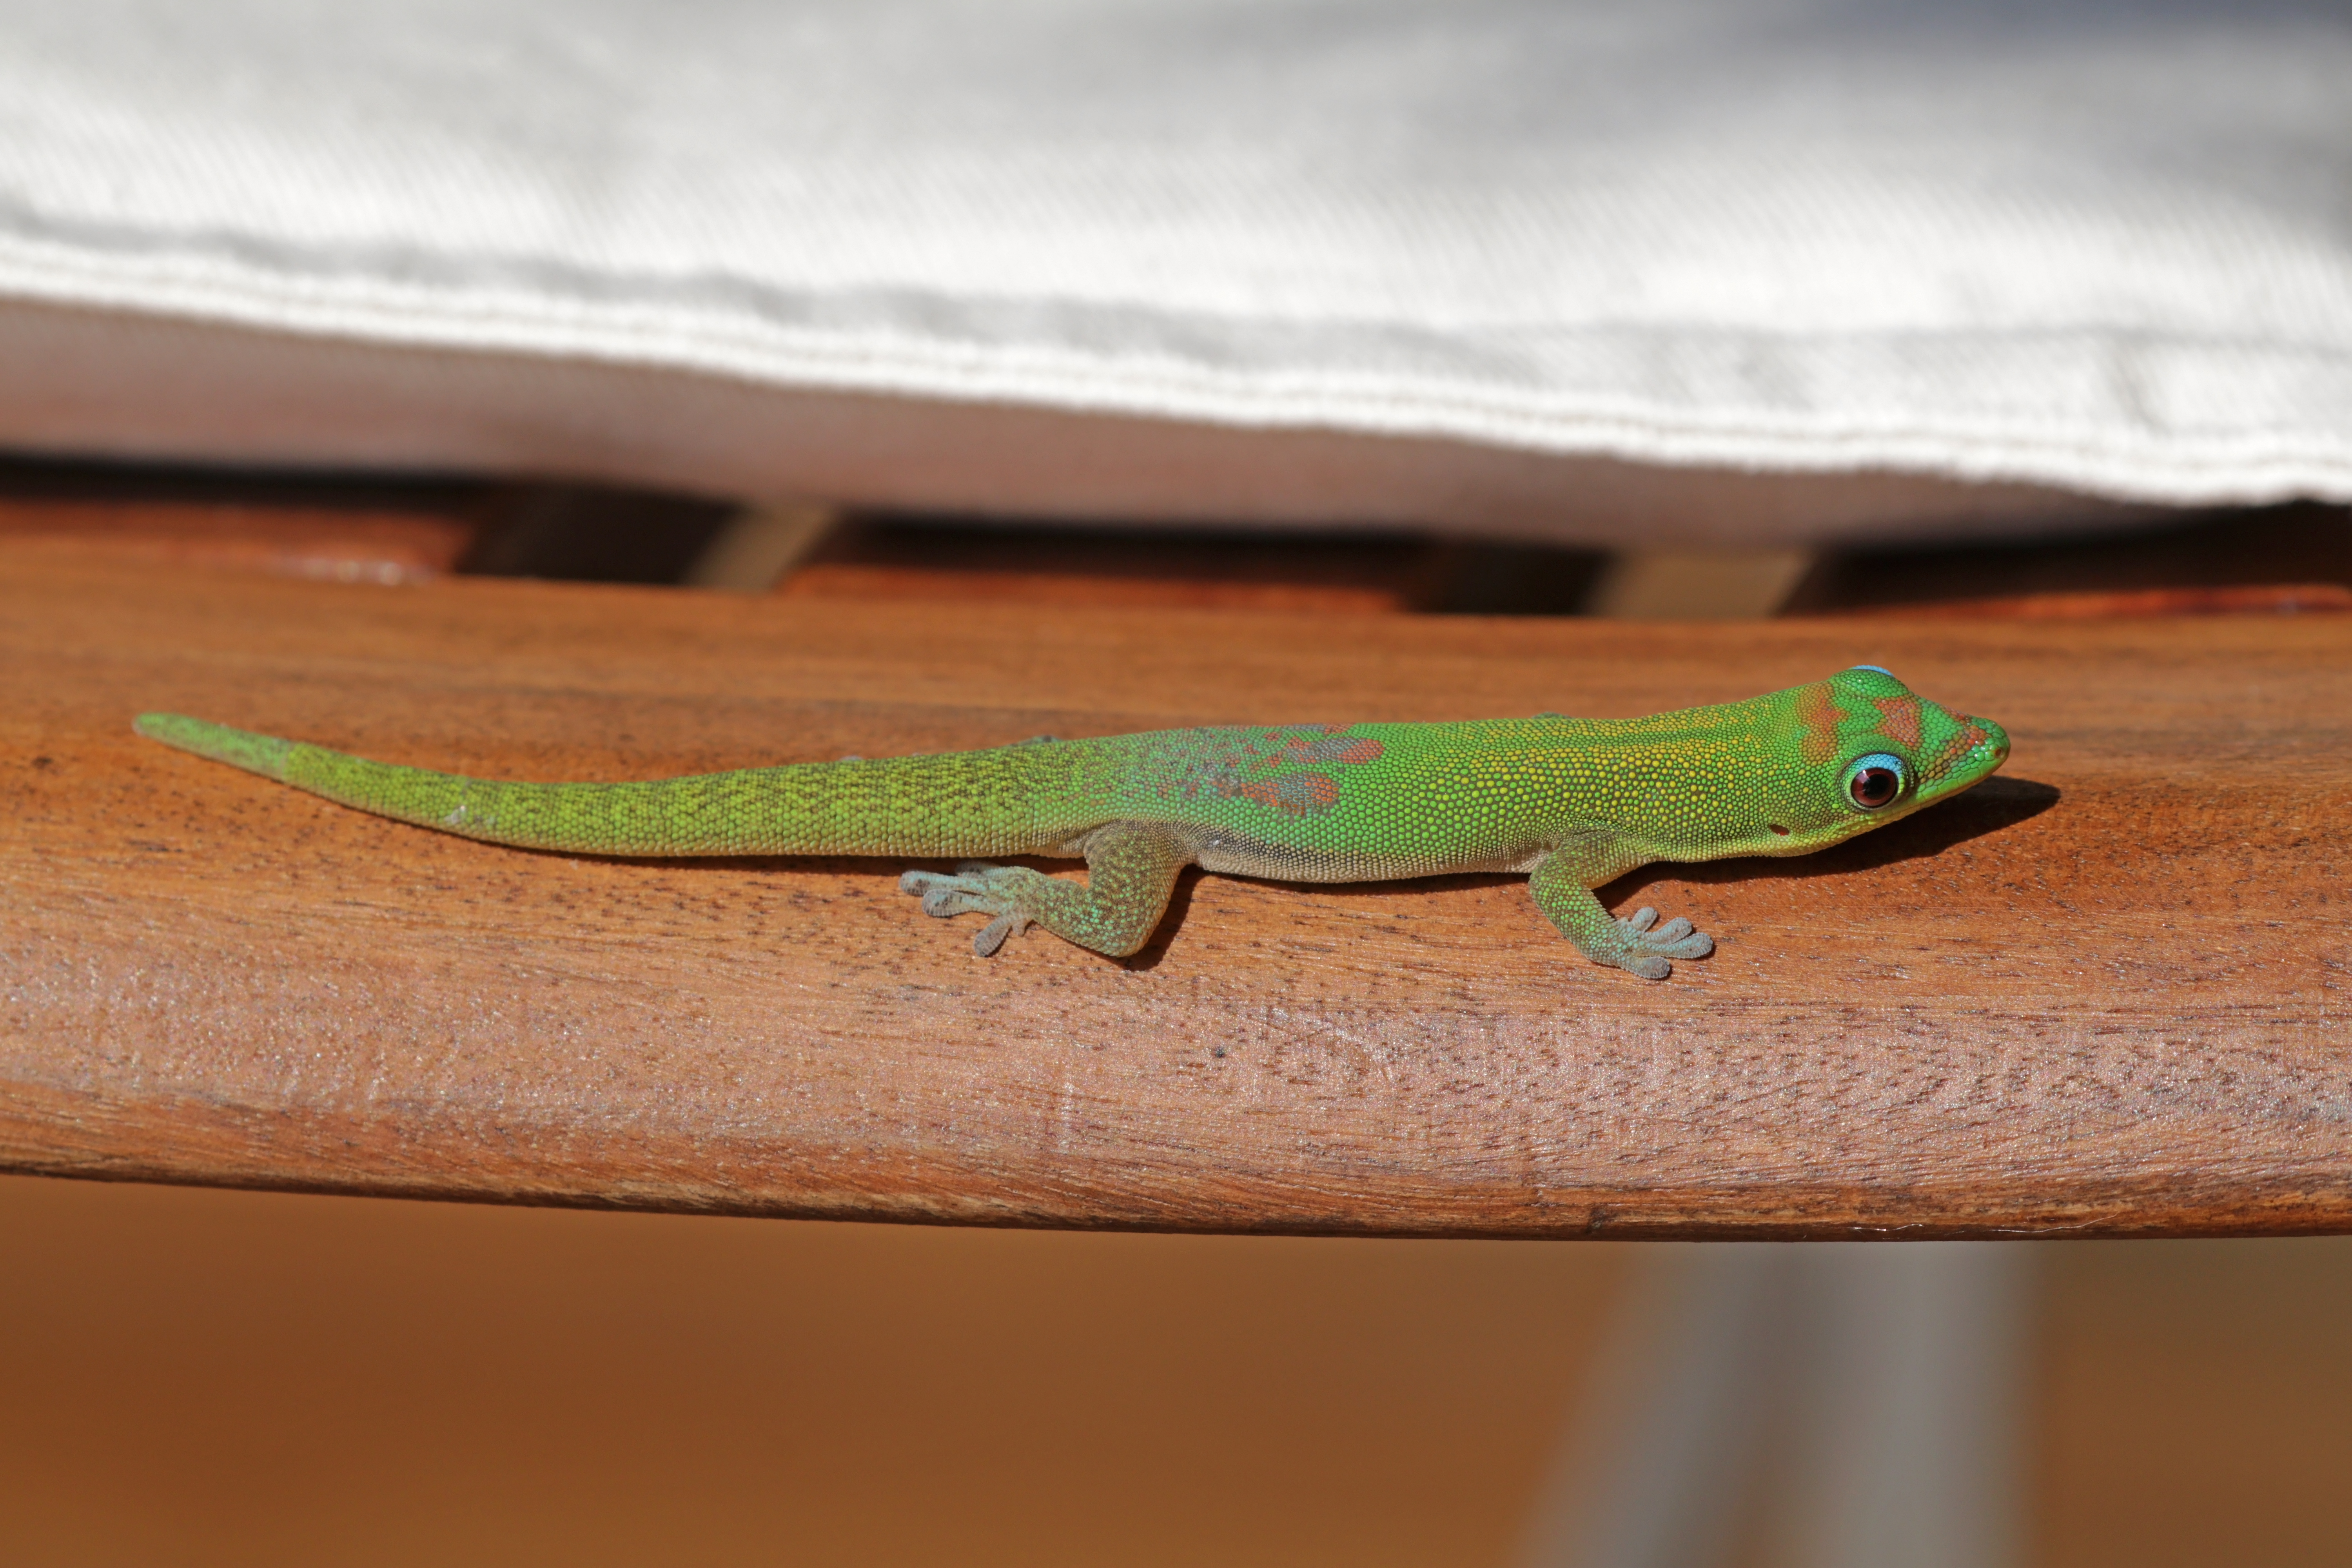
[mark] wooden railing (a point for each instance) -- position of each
(2106, 993)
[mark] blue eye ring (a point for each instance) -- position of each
(1875, 781)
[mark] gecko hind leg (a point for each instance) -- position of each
(1131, 869)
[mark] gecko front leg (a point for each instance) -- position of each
(1562, 883)
(1131, 869)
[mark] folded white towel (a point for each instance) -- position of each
(1575, 266)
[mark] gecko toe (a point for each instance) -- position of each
(1648, 945)
(922, 884)
(976, 888)
(945, 896)
(991, 936)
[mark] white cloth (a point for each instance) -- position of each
(1547, 265)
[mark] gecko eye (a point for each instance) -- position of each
(1873, 781)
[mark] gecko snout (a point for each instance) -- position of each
(1993, 749)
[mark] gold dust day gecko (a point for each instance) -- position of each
(1574, 803)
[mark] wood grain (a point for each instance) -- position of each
(2106, 993)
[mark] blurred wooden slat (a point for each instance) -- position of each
(990, 563)
(1696, 584)
(2282, 560)
(2103, 994)
(338, 545)
(978, 563)
(342, 527)
(2250, 599)
(758, 545)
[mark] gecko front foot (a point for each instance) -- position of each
(977, 888)
(1647, 950)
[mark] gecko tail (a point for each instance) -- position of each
(263, 755)
(887, 806)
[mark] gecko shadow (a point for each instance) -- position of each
(1992, 806)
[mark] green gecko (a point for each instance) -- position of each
(1574, 803)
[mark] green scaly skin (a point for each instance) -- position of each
(1574, 803)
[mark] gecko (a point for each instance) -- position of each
(1572, 803)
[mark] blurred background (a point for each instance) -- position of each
(194, 1376)
(1677, 312)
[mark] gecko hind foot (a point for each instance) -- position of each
(975, 888)
(1647, 950)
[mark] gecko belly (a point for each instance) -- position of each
(1241, 855)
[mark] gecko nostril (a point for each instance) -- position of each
(1778, 828)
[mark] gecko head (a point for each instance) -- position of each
(1862, 749)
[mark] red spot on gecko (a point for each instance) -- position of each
(1971, 737)
(1898, 720)
(1821, 717)
(1348, 749)
(1298, 794)
(1307, 793)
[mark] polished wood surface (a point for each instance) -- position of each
(2105, 993)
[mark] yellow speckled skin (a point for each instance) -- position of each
(1573, 801)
